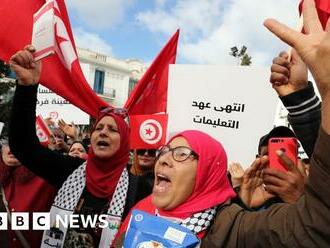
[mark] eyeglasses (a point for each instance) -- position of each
(179, 154)
(150, 152)
(117, 111)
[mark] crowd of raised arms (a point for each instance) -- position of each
(187, 181)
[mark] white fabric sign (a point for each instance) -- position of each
(43, 35)
(1, 127)
(52, 105)
(235, 105)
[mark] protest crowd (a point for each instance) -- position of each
(184, 187)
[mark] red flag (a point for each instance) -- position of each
(323, 10)
(148, 131)
(43, 133)
(150, 94)
(61, 73)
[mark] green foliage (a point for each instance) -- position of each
(241, 55)
(246, 60)
(4, 116)
(4, 69)
(6, 92)
(5, 87)
(5, 104)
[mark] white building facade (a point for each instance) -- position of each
(110, 78)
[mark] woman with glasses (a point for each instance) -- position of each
(304, 223)
(191, 189)
(91, 188)
(143, 161)
(190, 181)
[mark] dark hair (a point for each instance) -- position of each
(80, 142)
(276, 132)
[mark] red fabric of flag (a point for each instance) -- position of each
(150, 94)
(148, 131)
(323, 10)
(61, 72)
(43, 133)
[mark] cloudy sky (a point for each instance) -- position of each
(209, 28)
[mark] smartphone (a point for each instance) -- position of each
(288, 145)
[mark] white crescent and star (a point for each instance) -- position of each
(64, 46)
(151, 131)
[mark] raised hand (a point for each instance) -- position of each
(69, 130)
(252, 191)
(236, 172)
(314, 49)
(290, 185)
(288, 76)
(26, 68)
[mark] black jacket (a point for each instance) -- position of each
(304, 116)
(49, 165)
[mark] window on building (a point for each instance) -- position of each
(132, 83)
(109, 92)
(99, 81)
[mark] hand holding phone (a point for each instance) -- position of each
(290, 148)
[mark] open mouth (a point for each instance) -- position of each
(11, 156)
(102, 143)
(162, 183)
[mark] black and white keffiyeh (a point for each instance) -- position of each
(196, 223)
(200, 221)
(68, 197)
(69, 194)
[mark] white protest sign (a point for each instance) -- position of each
(54, 106)
(1, 126)
(43, 34)
(235, 105)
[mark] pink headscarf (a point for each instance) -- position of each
(212, 186)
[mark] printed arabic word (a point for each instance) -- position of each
(58, 101)
(216, 123)
(45, 91)
(235, 107)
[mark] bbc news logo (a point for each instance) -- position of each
(41, 221)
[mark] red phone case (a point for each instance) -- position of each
(288, 145)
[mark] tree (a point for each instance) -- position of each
(6, 93)
(4, 69)
(241, 54)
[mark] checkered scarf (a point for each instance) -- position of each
(200, 221)
(69, 194)
(196, 223)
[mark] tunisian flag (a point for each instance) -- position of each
(61, 72)
(323, 10)
(43, 132)
(148, 131)
(150, 94)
